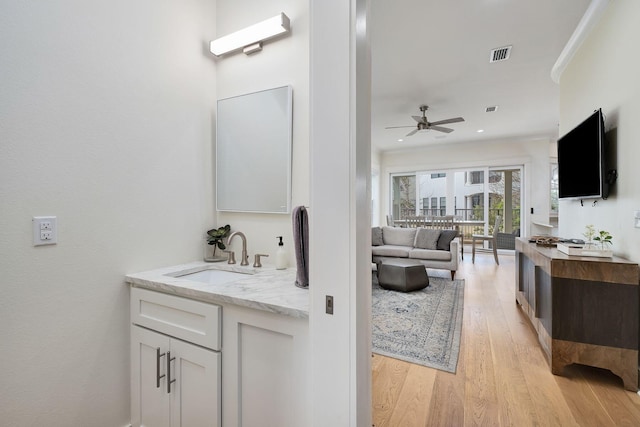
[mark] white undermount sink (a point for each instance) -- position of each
(215, 277)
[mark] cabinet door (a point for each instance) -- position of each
(521, 282)
(529, 274)
(265, 369)
(196, 393)
(150, 405)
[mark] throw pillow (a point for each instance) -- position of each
(427, 238)
(446, 236)
(376, 236)
(398, 236)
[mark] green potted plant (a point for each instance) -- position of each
(604, 238)
(215, 238)
(589, 234)
(598, 242)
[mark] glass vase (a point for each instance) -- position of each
(211, 253)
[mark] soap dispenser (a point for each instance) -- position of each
(281, 256)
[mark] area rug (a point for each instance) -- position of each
(421, 327)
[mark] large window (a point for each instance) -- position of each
(506, 198)
(403, 196)
(476, 177)
(476, 196)
(470, 188)
(554, 188)
(443, 206)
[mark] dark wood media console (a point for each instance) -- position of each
(584, 309)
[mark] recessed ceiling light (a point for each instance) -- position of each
(480, 130)
(400, 140)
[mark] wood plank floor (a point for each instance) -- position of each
(502, 377)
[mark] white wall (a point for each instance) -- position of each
(533, 154)
(604, 74)
(283, 61)
(106, 121)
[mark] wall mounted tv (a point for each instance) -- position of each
(582, 170)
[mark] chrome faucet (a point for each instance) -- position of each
(245, 255)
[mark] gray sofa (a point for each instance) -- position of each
(433, 248)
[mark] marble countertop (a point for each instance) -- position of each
(263, 288)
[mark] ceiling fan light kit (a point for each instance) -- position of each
(424, 124)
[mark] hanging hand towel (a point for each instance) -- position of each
(301, 245)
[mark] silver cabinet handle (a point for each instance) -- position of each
(169, 380)
(158, 376)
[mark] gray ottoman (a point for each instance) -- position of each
(402, 275)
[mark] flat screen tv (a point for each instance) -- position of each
(582, 170)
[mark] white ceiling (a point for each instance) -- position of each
(436, 52)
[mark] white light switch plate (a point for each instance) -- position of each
(636, 216)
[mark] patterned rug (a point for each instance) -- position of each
(422, 326)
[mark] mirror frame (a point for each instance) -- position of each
(254, 152)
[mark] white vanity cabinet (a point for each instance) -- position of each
(174, 382)
(241, 349)
(265, 369)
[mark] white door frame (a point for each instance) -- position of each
(340, 233)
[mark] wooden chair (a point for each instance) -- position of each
(416, 221)
(441, 222)
(493, 238)
(390, 220)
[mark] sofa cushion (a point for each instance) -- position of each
(398, 236)
(430, 254)
(446, 236)
(376, 236)
(391, 250)
(426, 238)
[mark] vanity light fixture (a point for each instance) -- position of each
(250, 39)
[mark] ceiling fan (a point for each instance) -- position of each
(424, 124)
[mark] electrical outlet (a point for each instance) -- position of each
(45, 230)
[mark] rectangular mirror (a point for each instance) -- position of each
(253, 152)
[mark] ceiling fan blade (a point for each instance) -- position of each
(441, 129)
(418, 118)
(398, 127)
(413, 132)
(444, 122)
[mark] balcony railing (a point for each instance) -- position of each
(468, 215)
(465, 214)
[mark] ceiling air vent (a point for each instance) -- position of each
(500, 54)
(491, 109)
